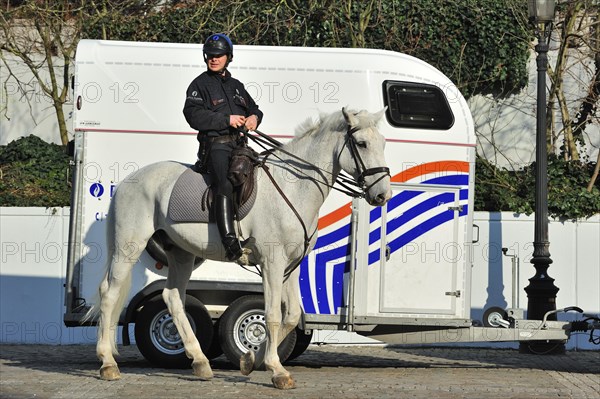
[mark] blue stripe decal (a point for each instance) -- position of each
(416, 232)
(321, 286)
(338, 285)
(333, 237)
(321, 274)
(417, 210)
(307, 301)
(452, 180)
(421, 229)
(340, 250)
(401, 198)
(397, 200)
(375, 214)
(375, 235)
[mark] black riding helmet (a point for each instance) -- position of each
(218, 44)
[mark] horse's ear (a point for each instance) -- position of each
(350, 118)
(378, 115)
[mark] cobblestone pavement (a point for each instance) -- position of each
(40, 371)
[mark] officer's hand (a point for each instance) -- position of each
(236, 121)
(251, 122)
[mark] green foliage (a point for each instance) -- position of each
(34, 173)
(480, 44)
(499, 189)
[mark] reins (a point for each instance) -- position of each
(271, 146)
(307, 239)
(356, 189)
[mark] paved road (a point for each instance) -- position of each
(39, 371)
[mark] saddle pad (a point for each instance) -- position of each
(185, 203)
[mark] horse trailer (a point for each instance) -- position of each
(400, 273)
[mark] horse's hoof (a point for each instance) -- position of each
(283, 382)
(110, 373)
(202, 371)
(247, 362)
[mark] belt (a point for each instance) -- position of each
(223, 139)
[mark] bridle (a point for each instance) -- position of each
(352, 145)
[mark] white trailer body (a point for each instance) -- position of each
(413, 260)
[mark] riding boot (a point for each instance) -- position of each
(224, 218)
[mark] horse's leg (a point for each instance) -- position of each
(273, 284)
(290, 305)
(113, 293)
(181, 264)
(291, 313)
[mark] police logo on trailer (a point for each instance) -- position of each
(96, 190)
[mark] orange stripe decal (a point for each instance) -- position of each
(408, 174)
(334, 216)
(432, 167)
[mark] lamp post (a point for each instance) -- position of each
(541, 291)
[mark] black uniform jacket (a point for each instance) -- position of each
(212, 98)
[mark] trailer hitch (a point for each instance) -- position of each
(590, 323)
(544, 324)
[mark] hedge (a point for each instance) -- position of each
(36, 173)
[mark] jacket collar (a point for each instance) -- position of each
(223, 76)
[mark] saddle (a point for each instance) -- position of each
(192, 196)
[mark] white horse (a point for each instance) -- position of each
(341, 141)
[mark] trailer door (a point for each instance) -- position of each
(414, 254)
(418, 271)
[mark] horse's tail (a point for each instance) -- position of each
(94, 314)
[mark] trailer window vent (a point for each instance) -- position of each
(417, 105)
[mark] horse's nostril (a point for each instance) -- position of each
(380, 199)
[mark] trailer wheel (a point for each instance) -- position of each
(214, 350)
(302, 342)
(242, 328)
(157, 337)
(493, 316)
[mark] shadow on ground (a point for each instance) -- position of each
(81, 359)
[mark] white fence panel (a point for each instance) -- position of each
(33, 251)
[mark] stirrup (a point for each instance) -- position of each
(248, 242)
(233, 248)
(244, 259)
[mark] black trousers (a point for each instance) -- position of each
(218, 166)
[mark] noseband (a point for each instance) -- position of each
(360, 165)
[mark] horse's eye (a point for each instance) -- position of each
(361, 144)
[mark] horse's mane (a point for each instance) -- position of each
(334, 122)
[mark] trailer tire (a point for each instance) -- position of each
(303, 340)
(157, 338)
(242, 328)
(214, 350)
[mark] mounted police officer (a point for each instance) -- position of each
(217, 105)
